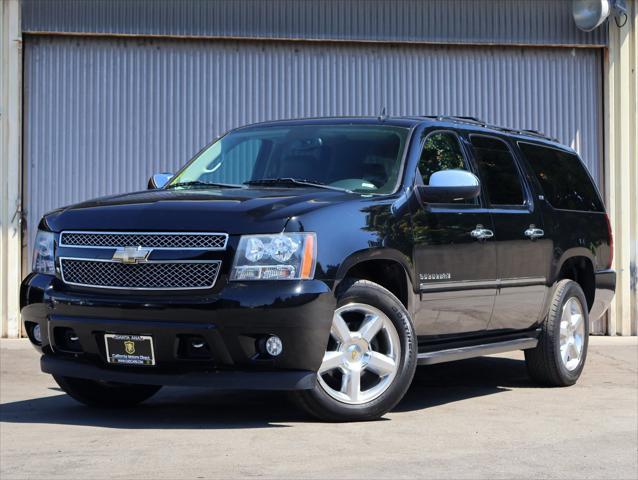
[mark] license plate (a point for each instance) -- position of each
(129, 349)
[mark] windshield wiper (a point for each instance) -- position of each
(292, 182)
(198, 183)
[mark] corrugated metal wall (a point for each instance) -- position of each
(101, 115)
(531, 22)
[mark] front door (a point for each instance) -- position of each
(522, 252)
(455, 267)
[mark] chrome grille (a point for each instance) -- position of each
(158, 275)
(194, 241)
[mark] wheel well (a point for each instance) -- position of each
(387, 273)
(581, 271)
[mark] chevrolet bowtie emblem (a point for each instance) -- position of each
(131, 254)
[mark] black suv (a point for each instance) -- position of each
(328, 257)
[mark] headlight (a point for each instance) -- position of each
(43, 255)
(284, 256)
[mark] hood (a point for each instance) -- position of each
(230, 210)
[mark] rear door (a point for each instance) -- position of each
(522, 251)
(456, 271)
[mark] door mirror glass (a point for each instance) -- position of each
(158, 180)
(447, 186)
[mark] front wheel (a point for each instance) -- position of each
(105, 394)
(370, 358)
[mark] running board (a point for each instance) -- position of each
(462, 353)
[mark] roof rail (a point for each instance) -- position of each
(458, 118)
(477, 121)
(468, 119)
(537, 133)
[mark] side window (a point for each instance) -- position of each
(498, 172)
(441, 151)
(563, 178)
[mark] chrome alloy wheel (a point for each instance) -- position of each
(363, 354)
(572, 333)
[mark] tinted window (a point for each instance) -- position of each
(563, 178)
(441, 151)
(498, 172)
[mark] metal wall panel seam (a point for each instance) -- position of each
(474, 21)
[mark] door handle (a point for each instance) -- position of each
(533, 233)
(481, 233)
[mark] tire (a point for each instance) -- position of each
(105, 394)
(549, 363)
(382, 383)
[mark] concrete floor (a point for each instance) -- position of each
(480, 418)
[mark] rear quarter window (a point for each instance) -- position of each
(563, 178)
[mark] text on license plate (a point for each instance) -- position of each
(129, 349)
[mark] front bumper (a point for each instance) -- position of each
(232, 322)
(223, 380)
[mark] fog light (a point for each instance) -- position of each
(37, 334)
(274, 346)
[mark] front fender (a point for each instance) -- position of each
(376, 254)
(381, 254)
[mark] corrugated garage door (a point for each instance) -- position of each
(101, 115)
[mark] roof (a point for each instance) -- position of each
(469, 123)
(350, 120)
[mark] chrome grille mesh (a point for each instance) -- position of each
(148, 276)
(208, 241)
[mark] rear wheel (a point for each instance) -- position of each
(559, 358)
(370, 358)
(105, 394)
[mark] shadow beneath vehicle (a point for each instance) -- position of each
(171, 408)
(435, 385)
(194, 408)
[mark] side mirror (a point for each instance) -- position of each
(158, 180)
(447, 186)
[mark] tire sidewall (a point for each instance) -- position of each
(376, 296)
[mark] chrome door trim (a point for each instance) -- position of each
(533, 232)
(481, 284)
(459, 285)
(481, 233)
(522, 282)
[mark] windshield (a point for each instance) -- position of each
(359, 158)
